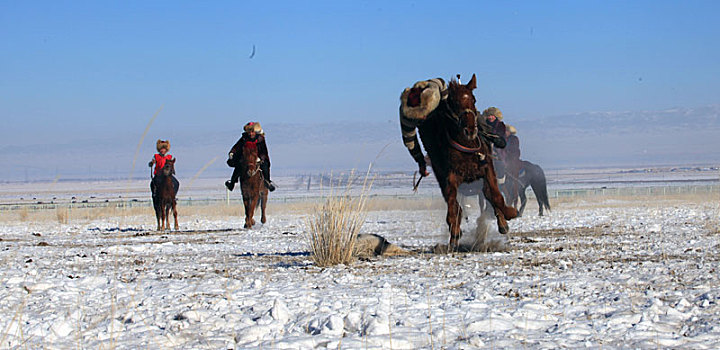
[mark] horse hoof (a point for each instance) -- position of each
(503, 229)
(263, 220)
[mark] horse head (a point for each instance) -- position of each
(461, 103)
(250, 160)
(169, 168)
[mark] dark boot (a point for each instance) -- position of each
(230, 184)
(265, 168)
(270, 185)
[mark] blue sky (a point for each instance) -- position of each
(86, 69)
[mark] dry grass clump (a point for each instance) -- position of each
(23, 214)
(334, 226)
(62, 215)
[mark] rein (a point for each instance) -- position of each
(464, 149)
(251, 173)
(456, 145)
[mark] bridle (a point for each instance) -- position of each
(255, 170)
(455, 117)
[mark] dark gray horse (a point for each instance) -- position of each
(530, 175)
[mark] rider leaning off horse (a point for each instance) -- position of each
(253, 136)
(159, 160)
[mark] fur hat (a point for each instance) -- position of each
(492, 111)
(249, 127)
(431, 92)
(162, 144)
(258, 129)
(511, 129)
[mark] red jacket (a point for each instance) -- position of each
(159, 161)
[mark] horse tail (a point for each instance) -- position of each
(539, 186)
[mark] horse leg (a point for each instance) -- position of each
(246, 204)
(161, 208)
(157, 214)
(174, 211)
(513, 193)
(263, 204)
(540, 205)
(167, 217)
(253, 206)
(454, 211)
(523, 201)
(502, 212)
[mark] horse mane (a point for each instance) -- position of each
(453, 84)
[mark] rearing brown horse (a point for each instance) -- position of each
(452, 138)
(251, 185)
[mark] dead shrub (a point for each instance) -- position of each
(62, 215)
(23, 214)
(335, 224)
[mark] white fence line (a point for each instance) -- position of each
(552, 193)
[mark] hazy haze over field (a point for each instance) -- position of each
(586, 139)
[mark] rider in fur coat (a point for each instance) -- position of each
(493, 118)
(252, 134)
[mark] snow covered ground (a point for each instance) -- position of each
(595, 272)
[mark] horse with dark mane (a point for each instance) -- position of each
(532, 175)
(165, 193)
(251, 184)
(459, 154)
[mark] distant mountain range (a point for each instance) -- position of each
(671, 136)
(630, 121)
(636, 138)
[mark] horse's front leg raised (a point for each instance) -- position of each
(454, 211)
